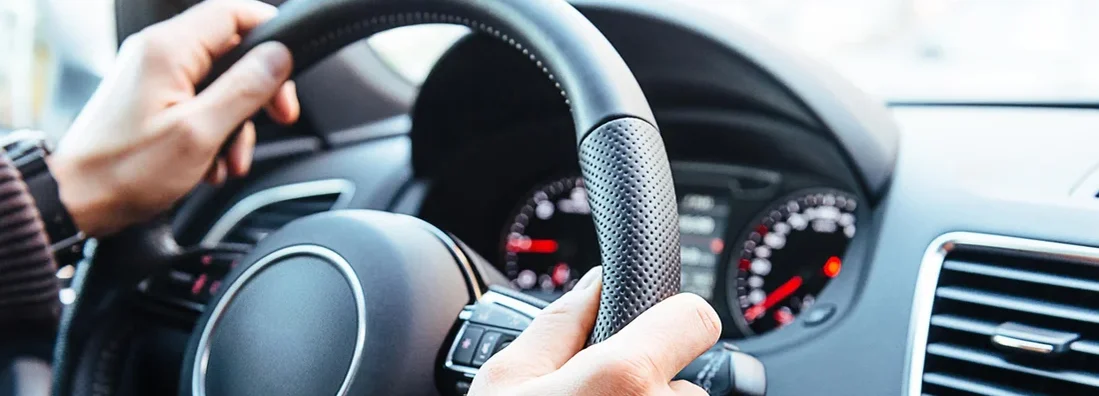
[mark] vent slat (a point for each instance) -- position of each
(971, 386)
(993, 360)
(964, 324)
(270, 218)
(248, 235)
(1022, 276)
(979, 297)
(1037, 292)
(1086, 347)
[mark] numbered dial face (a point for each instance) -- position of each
(550, 241)
(789, 255)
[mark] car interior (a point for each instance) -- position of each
(850, 246)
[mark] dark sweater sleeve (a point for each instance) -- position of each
(28, 282)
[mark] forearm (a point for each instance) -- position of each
(28, 285)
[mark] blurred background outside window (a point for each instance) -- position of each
(52, 52)
(900, 50)
(52, 55)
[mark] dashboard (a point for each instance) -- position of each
(821, 225)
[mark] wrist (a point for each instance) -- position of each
(89, 201)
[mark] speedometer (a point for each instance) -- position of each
(551, 239)
(788, 255)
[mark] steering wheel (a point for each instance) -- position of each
(365, 302)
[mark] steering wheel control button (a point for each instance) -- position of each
(494, 315)
(467, 345)
(195, 277)
(819, 314)
(503, 343)
(462, 387)
(711, 372)
(487, 348)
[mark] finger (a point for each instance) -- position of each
(663, 340)
(285, 108)
(559, 331)
(217, 173)
(686, 388)
(239, 157)
(240, 92)
(219, 26)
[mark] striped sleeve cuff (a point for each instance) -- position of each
(28, 284)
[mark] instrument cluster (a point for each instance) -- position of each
(759, 244)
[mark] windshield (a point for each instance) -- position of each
(900, 50)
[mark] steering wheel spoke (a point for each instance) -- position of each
(486, 328)
(193, 277)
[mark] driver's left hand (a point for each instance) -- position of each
(146, 139)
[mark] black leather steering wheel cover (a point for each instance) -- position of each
(570, 50)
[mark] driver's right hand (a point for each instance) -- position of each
(549, 358)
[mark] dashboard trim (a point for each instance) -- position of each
(1088, 187)
(928, 280)
(257, 200)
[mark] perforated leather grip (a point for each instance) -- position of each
(633, 203)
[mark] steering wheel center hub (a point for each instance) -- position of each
(347, 302)
(312, 300)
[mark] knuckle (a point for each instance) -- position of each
(557, 314)
(189, 134)
(256, 81)
(492, 373)
(152, 43)
(708, 322)
(632, 375)
(185, 126)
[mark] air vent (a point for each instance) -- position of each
(264, 212)
(1006, 316)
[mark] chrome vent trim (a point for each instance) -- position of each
(258, 200)
(927, 282)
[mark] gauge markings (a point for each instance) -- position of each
(788, 256)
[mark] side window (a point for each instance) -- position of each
(52, 54)
(19, 84)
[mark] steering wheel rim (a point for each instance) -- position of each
(622, 156)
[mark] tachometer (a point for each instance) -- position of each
(551, 239)
(788, 255)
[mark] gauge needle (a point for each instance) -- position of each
(779, 294)
(526, 245)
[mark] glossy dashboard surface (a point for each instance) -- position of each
(1002, 171)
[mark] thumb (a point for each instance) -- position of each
(239, 93)
(558, 332)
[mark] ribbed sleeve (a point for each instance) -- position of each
(28, 284)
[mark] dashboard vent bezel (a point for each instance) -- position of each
(931, 268)
(288, 192)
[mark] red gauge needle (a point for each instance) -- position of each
(779, 294)
(524, 245)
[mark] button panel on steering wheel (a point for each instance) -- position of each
(488, 327)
